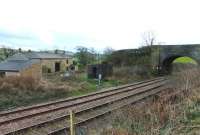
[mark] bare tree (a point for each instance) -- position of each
(149, 38)
(107, 53)
(108, 50)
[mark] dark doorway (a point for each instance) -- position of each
(94, 72)
(2, 74)
(57, 66)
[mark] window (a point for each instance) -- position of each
(49, 70)
(2, 74)
(67, 61)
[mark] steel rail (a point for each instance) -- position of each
(108, 102)
(82, 121)
(7, 112)
(107, 93)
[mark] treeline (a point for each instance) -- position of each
(122, 58)
(87, 56)
(6, 52)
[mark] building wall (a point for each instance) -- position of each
(34, 71)
(12, 74)
(50, 63)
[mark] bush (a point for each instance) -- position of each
(20, 82)
(129, 74)
(170, 112)
(25, 90)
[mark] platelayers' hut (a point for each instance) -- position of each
(35, 63)
(94, 70)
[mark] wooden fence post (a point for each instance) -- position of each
(72, 125)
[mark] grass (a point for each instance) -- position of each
(185, 60)
(24, 91)
(173, 112)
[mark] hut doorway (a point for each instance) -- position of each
(57, 66)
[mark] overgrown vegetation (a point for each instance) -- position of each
(21, 91)
(86, 56)
(132, 57)
(18, 91)
(128, 74)
(174, 111)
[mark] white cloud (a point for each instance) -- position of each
(116, 23)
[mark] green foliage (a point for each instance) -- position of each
(107, 53)
(85, 56)
(131, 57)
(5, 53)
(185, 60)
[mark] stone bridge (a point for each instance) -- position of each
(164, 55)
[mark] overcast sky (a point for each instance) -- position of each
(65, 24)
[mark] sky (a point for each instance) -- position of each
(119, 24)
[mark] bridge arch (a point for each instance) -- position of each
(168, 61)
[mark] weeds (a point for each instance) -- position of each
(18, 91)
(173, 111)
(129, 74)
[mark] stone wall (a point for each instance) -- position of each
(34, 71)
(50, 63)
(12, 74)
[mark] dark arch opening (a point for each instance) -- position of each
(167, 63)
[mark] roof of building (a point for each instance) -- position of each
(17, 65)
(37, 55)
(20, 61)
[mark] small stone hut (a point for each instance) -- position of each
(35, 64)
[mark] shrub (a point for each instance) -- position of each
(129, 74)
(166, 113)
(20, 82)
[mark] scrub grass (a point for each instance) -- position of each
(175, 111)
(24, 91)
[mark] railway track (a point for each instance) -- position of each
(40, 118)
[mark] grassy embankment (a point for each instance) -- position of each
(174, 112)
(184, 60)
